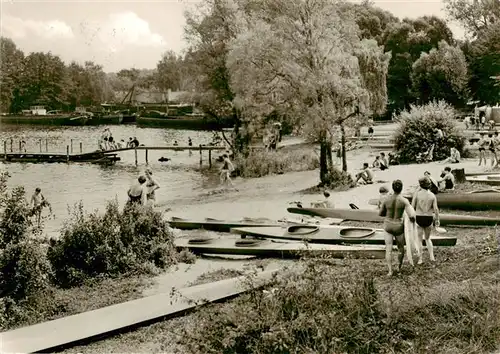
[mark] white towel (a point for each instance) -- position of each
(410, 234)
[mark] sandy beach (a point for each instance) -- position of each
(268, 197)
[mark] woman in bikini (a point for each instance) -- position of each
(425, 204)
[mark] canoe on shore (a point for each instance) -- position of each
(226, 225)
(478, 200)
(280, 249)
(330, 234)
(372, 216)
(492, 180)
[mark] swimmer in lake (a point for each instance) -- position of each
(392, 210)
(425, 204)
(137, 193)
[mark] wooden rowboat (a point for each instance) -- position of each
(372, 216)
(269, 248)
(226, 225)
(330, 234)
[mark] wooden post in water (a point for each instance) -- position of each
(46, 145)
(201, 156)
(20, 146)
(135, 152)
(67, 153)
(81, 148)
(11, 145)
(210, 158)
(71, 146)
(5, 148)
(40, 145)
(146, 156)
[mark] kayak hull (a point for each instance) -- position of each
(215, 225)
(332, 235)
(372, 216)
(269, 248)
(467, 201)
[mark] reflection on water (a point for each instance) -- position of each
(66, 184)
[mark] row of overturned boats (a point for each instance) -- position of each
(319, 230)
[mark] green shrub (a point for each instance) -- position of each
(415, 133)
(262, 163)
(100, 245)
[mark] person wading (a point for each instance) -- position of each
(151, 185)
(137, 194)
(392, 210)
(425, 204)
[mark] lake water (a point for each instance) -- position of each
(66, 184)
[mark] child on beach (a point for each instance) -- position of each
(383, 193)
(366, 174)
(326, 203)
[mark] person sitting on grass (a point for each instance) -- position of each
(366, 174)
(454, 156)
(426, 156)
(447, 181)
(326, 203)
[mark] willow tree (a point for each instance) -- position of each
(306, 58)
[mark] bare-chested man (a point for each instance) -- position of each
(425, 204)
(392, 209)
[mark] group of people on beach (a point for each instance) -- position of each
(489, 144)
(423, 211)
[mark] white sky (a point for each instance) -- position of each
(124, 34)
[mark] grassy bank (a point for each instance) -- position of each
(348, 306)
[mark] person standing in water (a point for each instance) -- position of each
(392, 210)
(425, 204)
(137, 193)
(151, 186)
(38, 202)
(226, 169)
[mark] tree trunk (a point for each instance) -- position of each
(344, 153)
(325, 161)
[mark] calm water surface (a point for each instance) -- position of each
(66, 184)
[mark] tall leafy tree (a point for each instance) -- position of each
(43, 81)
(306, 58)
(441, 74)
(11, 66)
(406, 41)
(172, 72)
(474, 15)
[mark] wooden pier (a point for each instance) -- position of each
(98, 156)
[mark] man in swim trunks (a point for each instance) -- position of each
(137, 193)
(425, 204)
(392, 209)
(152, 185)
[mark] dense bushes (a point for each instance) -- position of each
(415, 134)
(110, 244)
(262, 163)
(91, 246)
